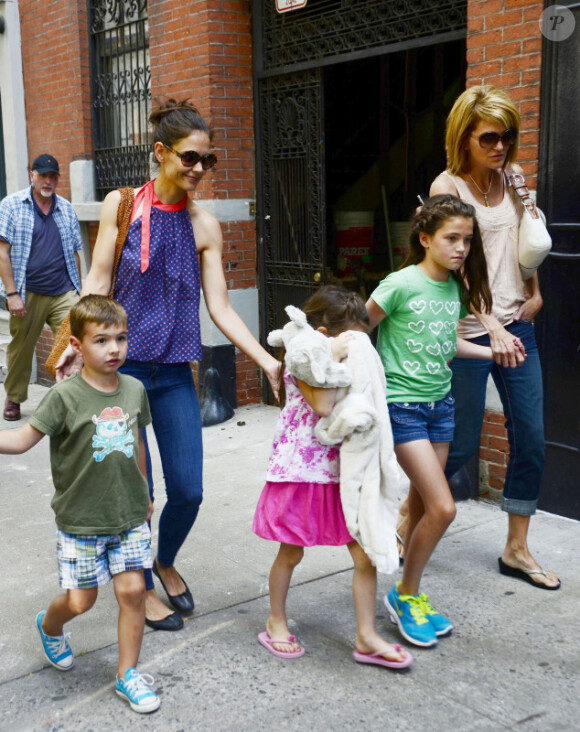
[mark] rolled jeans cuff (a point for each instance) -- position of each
(519, 507)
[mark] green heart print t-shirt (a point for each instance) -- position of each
(418, 338)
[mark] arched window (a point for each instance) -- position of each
(121, 92)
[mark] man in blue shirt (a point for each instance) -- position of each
(40, 239)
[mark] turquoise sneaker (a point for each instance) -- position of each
(56, 647)
(441, 624)
(408, 612)
(135, 688)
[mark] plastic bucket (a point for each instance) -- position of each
(354, 233)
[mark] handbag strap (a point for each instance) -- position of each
(123, 222)
(518, 182)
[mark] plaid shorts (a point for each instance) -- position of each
(92, 560)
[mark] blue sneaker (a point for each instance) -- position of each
(135, 688)
(408, 613)
(441, 624)
(56, 647)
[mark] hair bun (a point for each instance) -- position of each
(174, 119)
(171, 105)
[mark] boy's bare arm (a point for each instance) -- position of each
(15, 442)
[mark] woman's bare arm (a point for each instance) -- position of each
(443, 184)
(209, 241)
(98, 280)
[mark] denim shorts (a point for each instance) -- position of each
(433, 421)
(92, 560)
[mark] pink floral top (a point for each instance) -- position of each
(297, 456)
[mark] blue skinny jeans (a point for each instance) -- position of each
(521, 394)
(177, 426)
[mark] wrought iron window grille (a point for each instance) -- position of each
(121, 92)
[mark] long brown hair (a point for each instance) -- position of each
(472, 278)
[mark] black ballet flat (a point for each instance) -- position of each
(184, 602)
(171, 622)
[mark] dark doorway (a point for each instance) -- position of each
(384, 144)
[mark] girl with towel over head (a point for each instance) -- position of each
(301, 502)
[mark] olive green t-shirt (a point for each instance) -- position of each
(418, 337)
(94, 454)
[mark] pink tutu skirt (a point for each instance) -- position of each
(303, 514)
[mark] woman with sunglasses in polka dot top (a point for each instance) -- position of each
(173, 251)
(482, 142)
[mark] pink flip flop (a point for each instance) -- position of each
(268, 643)
(379, 660)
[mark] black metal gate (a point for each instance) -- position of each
(333, 31)
(558, 326)
(290, 52)
(291, 205)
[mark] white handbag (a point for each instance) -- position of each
(534, 242)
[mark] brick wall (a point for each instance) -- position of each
(249, 380)
(43, 348)
(203, 50)
(55, 65)
(239, 256)
(493, 456)
(504, 46)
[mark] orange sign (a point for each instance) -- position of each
(283, 6)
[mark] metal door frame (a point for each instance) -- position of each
(299, 111)
(562, 457)
(328, 32)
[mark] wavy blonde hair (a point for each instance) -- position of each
(475, 104)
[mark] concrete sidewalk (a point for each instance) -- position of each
(512, 662)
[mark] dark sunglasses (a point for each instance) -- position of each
(489, 140)
(189, 158)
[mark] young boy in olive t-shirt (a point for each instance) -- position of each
(101, 502)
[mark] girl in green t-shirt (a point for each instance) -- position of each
(418, 308)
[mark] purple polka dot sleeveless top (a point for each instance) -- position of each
(162, 303)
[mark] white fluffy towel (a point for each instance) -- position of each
(371, 480)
